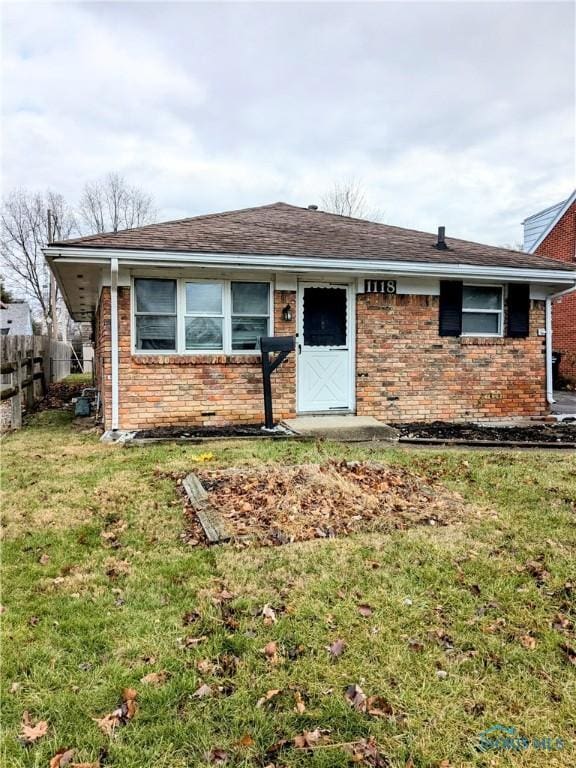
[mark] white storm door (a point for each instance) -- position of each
(324, 347)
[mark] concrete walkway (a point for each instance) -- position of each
(565, 403)
(345, 428)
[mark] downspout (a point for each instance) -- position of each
(549, 378)
(114, 352)
(549, 381)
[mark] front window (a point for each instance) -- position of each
(200, 316)
(155, 309)
(482, 310)
(204, 318)
(250, 314)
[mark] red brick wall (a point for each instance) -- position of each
(405, 371)
(170, 390)
(561, 244)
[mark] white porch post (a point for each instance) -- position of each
(114, 351)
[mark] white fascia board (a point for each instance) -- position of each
(300, 264)
(555, 220)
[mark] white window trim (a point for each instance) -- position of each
(135, 314)
(499, 312)
(181, 315)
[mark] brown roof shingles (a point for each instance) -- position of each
(280, 230)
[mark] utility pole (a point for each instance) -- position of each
(53, 330)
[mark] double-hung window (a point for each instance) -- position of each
(204, 316)
(155, 315)
(198, 316)
(482, 310)
(250, 314)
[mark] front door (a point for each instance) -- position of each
(325, 326)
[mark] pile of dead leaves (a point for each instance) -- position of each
(60, 395)
(280, 504)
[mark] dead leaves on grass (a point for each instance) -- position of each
(376, 706)
(366, 752)
(336, 649)
(280, 504)
(121, 715)
(155, 678)
(30, 732)
(569, 653)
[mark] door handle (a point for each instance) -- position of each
(299, 349)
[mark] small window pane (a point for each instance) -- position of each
(325, 317)
(204, 297)
(155, 332)
(479, 322)
(246, 332)
(203, 333)
(481, 297)
(156, 296)
(250, 298)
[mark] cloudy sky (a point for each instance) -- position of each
(453, 113)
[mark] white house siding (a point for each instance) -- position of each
(538, 223)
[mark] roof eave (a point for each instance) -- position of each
(300, 263)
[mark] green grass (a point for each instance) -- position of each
(77, 629)
(78, 378)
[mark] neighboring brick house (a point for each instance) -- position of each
(390, 322)
(552, 233)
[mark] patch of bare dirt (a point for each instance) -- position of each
(274, 505)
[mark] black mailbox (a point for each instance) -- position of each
(277, 344)
(283, 345)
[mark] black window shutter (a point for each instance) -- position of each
(518, 310)
(450, 308)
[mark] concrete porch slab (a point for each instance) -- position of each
(345, 428)
(564, 404)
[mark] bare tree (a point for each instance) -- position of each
(24, 232)
(349, 199)
(112, 204)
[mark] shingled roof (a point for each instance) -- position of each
(280, 230)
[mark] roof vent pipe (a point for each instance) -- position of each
(312, 207)
(441, 244)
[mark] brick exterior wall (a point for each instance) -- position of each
(405, 371)
(200, 390)
(561, 244)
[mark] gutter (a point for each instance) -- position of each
(549, 378)
(300, 263)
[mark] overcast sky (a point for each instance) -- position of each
(455, 113)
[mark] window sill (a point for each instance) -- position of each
(486, 341)
(220, 358)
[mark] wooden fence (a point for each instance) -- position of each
(28, 364)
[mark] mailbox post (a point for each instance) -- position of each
(283, 345)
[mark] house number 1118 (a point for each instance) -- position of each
(380, 286)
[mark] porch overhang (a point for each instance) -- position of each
(81, 288)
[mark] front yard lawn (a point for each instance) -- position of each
(248, 657)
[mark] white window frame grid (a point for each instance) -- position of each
(499, 312)
(182, 341)
(136, 313)
(249, 314)
(181, 315)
